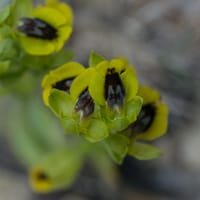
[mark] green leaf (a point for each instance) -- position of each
(96, 131)
(8, 49)
(61, 103)
(117, 124)
(95, 59)
(70, 125)
(143, 151)
(34, 132)
(117, 147)
(133, 108)
(4, 66)
(20, 8)
(4, 13)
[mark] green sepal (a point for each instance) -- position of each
(20, 8)
(61, 103)
(96, 130)
(4, 66)
(117, 147)
(95, 59)
(143, 151)
(4, 13)
(70, 126)
(8, 49)
(133, 108)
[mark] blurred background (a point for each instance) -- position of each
(162, 40)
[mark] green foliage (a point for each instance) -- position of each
(143, 151)
(95, 59)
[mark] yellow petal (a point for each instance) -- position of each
(35, 46)
(96, 88)
(39, 181)
(49, 15)
(67, 70)
(64, 33)
(130, 83)
(159, 125)
(45, 95)
(64, 8)
(119, 64)
(148, 94)
(81, 83)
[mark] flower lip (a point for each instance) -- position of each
(84, 104)
(145, 119)
(37, 28)
(64, 85)
(114, 89)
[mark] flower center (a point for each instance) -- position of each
(37, 28)
(64, 85)
(145, 119)
(85, 104)
(114, 89)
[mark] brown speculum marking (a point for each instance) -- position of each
(144, 119)
(64, 85)
(114, 89)
(37, 28)
(85, 104)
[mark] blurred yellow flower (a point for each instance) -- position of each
(46, 31)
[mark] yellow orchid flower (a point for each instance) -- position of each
(47, 29)
(60, 78)
(152, 120)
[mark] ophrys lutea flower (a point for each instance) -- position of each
(153, 118)
(151, 123)
(47, 29)
(114, 87)
(75, 108)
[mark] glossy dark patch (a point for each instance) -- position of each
(145, 119)
(64, 85)
(114, 89)
(37, 28)
(85, 103)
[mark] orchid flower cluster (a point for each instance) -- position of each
(103, 103)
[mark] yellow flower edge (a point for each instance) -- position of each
(160, 121)
(64, 8)
(127, 75)
(159, 124)
(37, 46)
(40, 181)
(81, 83)
(68, 70)
(148, 94)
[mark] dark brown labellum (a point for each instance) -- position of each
(64, 85)
(144, 119)
(85, 104)
(114, 89)
(37, 28)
